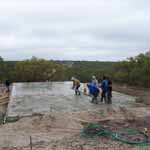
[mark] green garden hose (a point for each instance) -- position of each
(101, 130)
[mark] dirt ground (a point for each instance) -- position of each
(61, 131)
(3, 101)
(142, 94)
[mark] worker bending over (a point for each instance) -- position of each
(76, 85)
(94, 92)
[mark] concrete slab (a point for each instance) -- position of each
(28, 99)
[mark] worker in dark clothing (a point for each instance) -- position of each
(104, 90)
(7, 84)
(76, 85)
(94, 91)
(109, 90)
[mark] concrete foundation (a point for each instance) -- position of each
(28, 99)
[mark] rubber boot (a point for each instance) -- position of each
(79, 93)
(96, 102)
(76, 92)
(92, 101)
(106, 100)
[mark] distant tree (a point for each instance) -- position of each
(135, 71)
(39, 70)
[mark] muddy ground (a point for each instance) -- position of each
(61, 131)
(142, 94)
(3, 101)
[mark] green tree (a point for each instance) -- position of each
(134, 71)
(38, 70)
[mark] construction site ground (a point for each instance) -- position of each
(142, 94)
(61, 130)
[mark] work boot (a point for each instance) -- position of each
(109, 101)
(92, 101)
(109, 98)
(76, 93)
(96, 102)
(79, 93)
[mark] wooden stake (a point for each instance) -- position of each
(31, 142)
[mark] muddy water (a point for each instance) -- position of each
(31, 98)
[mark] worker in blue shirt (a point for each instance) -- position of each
(94, 92)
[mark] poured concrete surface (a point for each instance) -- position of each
(28, 99)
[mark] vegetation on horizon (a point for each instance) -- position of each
(134, 71)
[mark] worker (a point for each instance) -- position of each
(85, 90)
(94, 92)
(7, 84)
(104, 89)
(109, 90)
(94, 81)
(76, 85)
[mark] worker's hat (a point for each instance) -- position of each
(93, 77)
(72, 78)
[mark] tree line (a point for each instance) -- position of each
(36, 70)
(133, 71)
(32, 70)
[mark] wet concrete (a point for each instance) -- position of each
(28, 99)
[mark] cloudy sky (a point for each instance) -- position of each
(74, 29)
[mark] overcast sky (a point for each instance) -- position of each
(107, 30)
